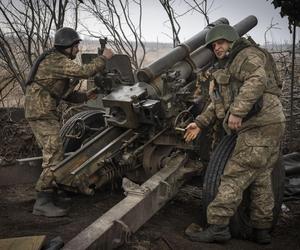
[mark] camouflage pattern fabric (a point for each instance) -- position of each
(243, 80)
(240, 84)
(251, 163)
(54, 72)
(46, 133)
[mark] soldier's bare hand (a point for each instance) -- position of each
(234, 122)
(107, 53)
(192, 131)
(92, 94)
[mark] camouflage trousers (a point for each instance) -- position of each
(251, 163)
(46, 133)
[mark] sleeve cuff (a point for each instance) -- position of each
(199, 122)
(104, 59)
(233, 111)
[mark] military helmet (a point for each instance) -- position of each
(221, 31)
(66, 37)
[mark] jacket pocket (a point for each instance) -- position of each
(257, 139)
(254, 150)
(221, 76)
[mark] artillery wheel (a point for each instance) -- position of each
(153, 157)
(240, 226)
(85, 124)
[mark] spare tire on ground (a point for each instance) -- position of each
(240, 226)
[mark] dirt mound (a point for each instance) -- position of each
(17, 139)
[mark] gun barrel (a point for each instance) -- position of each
(203, 56)
(177, 54)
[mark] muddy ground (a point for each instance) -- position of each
(165, 230)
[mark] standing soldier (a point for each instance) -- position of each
(245, 96)
(48, 83)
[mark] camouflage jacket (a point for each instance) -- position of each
(55, 72)
(249, 75)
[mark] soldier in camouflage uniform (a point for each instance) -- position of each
(245, 96)
(49, 82)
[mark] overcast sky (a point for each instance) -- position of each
(233, 10)
(155, 28)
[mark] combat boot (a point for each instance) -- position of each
(44, 206)
(214, 233)
(61, 196)
(262, 236)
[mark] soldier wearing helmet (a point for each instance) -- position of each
(49, 82)
(245, 97)
(66, 38)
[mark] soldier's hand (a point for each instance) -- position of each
(92, 93)
(234, 122)
(107, 53)
(192, 131)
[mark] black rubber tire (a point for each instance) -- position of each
(214, 172)
(240, 226)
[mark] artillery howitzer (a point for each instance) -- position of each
(139, 135)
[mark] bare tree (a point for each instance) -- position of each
(175, 26)
(76, 5)
(269, 28)
(116, 17)
(202, 7)
(25, 32)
